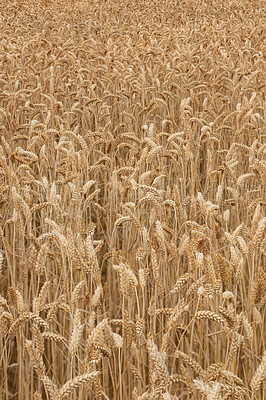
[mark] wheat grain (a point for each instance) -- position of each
(259, 375)
(132, 199)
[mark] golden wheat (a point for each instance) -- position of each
(132, 201)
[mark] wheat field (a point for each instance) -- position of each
(132, 172)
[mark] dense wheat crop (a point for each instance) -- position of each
(132, 202)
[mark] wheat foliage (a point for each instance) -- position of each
(132, 201)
